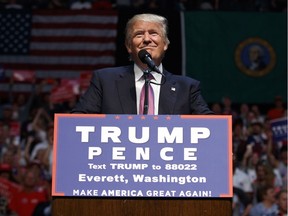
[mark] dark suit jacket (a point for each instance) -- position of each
(112, 91)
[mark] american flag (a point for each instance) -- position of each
(57, 40)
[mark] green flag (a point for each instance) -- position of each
(240, 55)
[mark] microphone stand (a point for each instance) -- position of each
(147, 83)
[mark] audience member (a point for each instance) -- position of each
(25, 201)
(227, 108)
(267, 202)
(278, 159)
(257, 139)
(257, 114)
(8, 188)
(265, 176)
(39, 4)
(47, 156)
(216, 108)
(44, 208)
(137, 3)
(13, 4)
(241, 203)
(122, 4)
(7, 114)
(80, 4)
(278, 5)
(178, 5)
(21, 107)
(39, 125)
(243, 191)
(181, 5)
(239, 139)
(206, 5)
(242, 181)
(4, 135)
(57, 4)
(12, 155)
(281, 199)
(102, 5)
(244, 112)
(278, 111)
(249, 163)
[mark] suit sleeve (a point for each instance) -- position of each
(197, 103)
(91, 100)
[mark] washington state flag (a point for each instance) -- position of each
(235, 54)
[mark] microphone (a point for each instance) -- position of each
(146, 58)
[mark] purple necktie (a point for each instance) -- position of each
(150, 97)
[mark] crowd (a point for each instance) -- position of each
(178, 5)
(26, 146)
(26, 128)
(26, 138)
(260, 160)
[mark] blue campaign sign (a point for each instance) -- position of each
(180, 156)
(279, 129)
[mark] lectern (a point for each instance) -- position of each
(142, 165)
(141, 207)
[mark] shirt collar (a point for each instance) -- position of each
(139, 73)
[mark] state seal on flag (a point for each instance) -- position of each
(255, 57)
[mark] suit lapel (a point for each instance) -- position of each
(168, 95)
(127, 92)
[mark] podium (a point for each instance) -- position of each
(141, 207)
(181, 165)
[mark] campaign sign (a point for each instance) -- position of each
(279, 129)
(181, 156)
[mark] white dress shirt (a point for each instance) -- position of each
(140, 82)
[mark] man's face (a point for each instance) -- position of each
(270, 195)
(260, 171)
(282, 202)
(147, 35)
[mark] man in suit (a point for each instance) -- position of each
(117, 90)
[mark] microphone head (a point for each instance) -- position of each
(143, 54)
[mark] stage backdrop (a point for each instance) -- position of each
(220, 49)
(55, 41)
(217, 48)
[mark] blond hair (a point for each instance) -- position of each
(162, 21)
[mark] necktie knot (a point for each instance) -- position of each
(148, 77)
